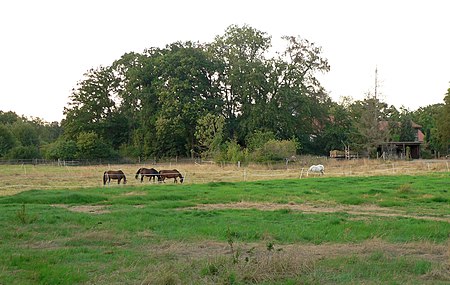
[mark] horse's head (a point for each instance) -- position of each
(181, 178)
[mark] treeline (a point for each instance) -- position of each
(228, 100)
(24, 138)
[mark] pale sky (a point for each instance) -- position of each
(47, 45)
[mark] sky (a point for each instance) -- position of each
(46, 46)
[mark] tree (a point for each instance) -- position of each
(337, 130)
(186, 90)
(92, 105)
(26, 134)
(8, 117)
(209, 134)
(242, 76)
(7, 140)
(443, 125)
(426, 117)
(371, 125)
(91, 146)
(24, 152)
(407, 132)
(62, 149)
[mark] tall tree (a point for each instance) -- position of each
(241, 51)
(443, 125)
(7, 140)
(186, 90)
(371, 124)
(426, 117)
(92, 107)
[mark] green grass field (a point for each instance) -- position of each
(351, 230)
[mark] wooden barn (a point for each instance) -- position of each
(402, 150)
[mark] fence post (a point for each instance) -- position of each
(301, 174)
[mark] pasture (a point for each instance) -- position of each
(237, 226)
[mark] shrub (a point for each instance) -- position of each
(24, 152)
(274, 150)
(62, 149)
(232, 152)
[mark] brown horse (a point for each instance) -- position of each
(163, 174)
(151, 173)
(114, 174)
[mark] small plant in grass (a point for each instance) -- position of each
(24, 217)
(235, 253)
(405, 188)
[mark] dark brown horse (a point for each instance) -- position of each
(147, 172)
(163, 174)
(114, 174)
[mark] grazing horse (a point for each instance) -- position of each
(317, 169)
(163, 174)
(150, 173)
(114, 174)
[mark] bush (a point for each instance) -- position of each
(92, 146)
(61, 149)
(232, 152)
(24, 152)
(258, 139)
(426, 154)
(274, 150)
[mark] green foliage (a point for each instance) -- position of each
(24, 217)
(443, 126)
(24, 152)
(91, 146)
(232, 152)
(407, 132)
(274, 150)
(209, 134)
(370, 127)
(7, 140)
(26, 133)
(62, 149)
(8, 118)
(257, 140)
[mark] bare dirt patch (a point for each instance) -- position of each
(90, 209)
(360, 210)
(133, 193)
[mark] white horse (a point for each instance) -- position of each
(316, 168)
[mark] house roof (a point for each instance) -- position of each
(415, 126)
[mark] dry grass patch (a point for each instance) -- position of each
(17, 178)
(359, 210)
(90, 209)
(257, 262)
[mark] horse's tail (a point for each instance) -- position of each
(104, 178)
(137, 173)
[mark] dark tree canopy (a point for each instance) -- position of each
(222, 99)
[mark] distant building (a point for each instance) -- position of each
(410, 149)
